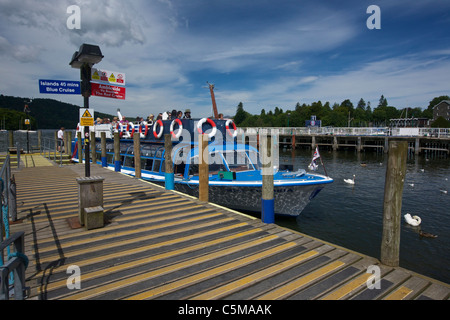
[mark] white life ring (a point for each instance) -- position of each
(227, 126)
(213, 125)
(123, 132)
(180, 128)
(143, 134)
(159, 134)
(130, 129)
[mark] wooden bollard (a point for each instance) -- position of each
(67, 143)
(203, 183)
(137, 154)
(267, 197)
(392, 206)
(103, 144)
(80, 147)
(117, 164)
(169, 175)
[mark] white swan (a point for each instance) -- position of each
(350, 181)
(414, 220)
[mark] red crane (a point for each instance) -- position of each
(211, 89)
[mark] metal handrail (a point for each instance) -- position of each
(51, 145)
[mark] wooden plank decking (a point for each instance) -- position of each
(159, 244)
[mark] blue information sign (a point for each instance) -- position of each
(59, 87)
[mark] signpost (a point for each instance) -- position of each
(59, 87)
(111, 77)
(108, 91)
(108, 84)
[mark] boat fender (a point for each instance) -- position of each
(143, 134)
(180, 125)
(227, 126)
(159, 134)
(213, 125)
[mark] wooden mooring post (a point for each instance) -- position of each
(392, 206)
(103, 144)
(203, 177)
(169, 175)
(117, 164)
(267, 196)
(137, 155)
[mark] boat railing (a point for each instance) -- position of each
(350, 131)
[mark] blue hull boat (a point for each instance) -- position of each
(235, 169)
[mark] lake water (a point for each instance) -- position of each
(48, 138)
(352, 216)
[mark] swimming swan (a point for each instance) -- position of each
(414, 220)
(350, 181)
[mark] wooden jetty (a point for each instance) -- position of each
(159, 244)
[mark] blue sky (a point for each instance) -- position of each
(265, 54)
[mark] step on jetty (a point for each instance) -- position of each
(162, 244)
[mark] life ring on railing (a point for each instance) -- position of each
(143, 134)
(159, 134)
(130, 129)
(180, 128)
(213, 125)
(227, 126)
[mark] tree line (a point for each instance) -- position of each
(337, 115)
(43, 114)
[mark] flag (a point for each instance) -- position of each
(313, 165)
(316, 154)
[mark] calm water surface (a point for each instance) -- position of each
(352, 216)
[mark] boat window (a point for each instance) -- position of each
(214, 168)
(238, 161)
(159, 152)
(110, 147)
(110, 158)
(129, 162)
(163, 166)
(216, 163)
(146, 164)
(156, 165)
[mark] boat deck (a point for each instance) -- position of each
(159, 244)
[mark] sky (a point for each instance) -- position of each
(263, 53)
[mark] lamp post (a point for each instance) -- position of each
(84, 59)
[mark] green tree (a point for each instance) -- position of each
(440, 122)
(241, 114)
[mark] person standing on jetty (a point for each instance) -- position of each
(61, 139)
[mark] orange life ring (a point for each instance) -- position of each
(227, 126)
(159, 134)
(143, 135)
(180, 129)
(213, 125)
